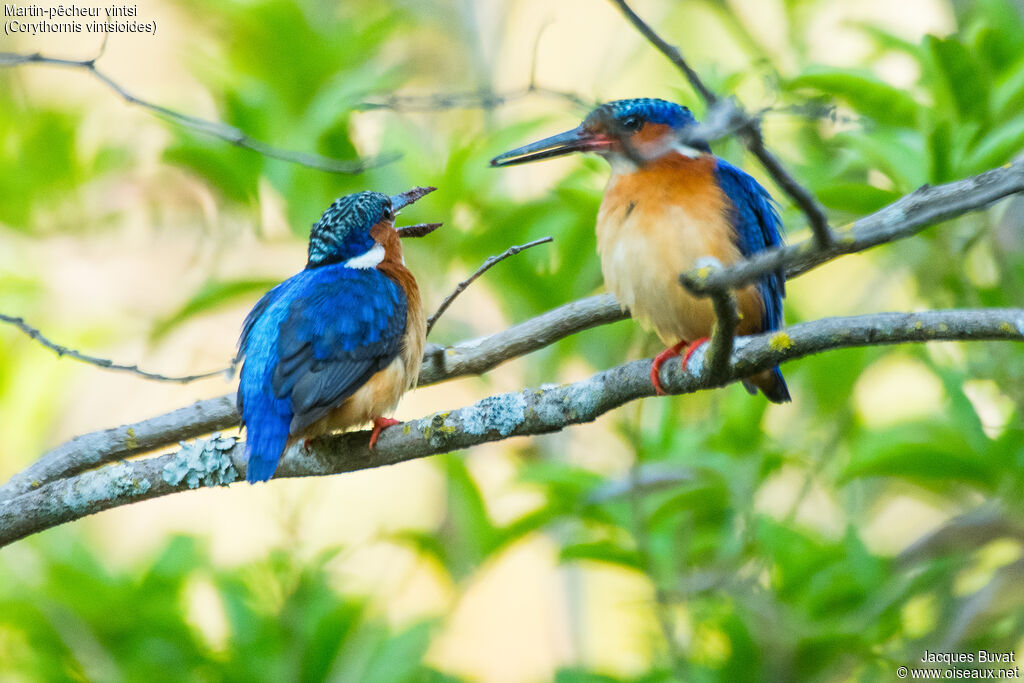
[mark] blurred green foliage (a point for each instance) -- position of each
(747, 594)
(70, 618)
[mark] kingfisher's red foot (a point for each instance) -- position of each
(379, 424)
(659, 360)
(693, 347)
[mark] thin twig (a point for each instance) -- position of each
(481, 98)
(751, 131)
(469, 99)
(491, 261)
(104, 363)
(645, 556)
(667, 49)
(224, 131)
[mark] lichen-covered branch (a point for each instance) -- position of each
(440, 363)
(220, 460)
(903, 218)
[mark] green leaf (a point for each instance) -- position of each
(940, 145)
(886, 41)
(865, 94)
(962, 79)
(607, 552)
(1008, 92)
(856, 198)
(997, 147)
(398, 658)
(923, 452)
(211, 296)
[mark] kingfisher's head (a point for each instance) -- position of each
(628, 131)
(352, 230)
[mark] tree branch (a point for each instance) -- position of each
(104, 363)
(723, 334)
(468, 99)
(901, 219)
(212, 128)
(750, 131)
(440, 363)
(221, 461)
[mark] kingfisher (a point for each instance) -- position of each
(337, 344)
(671, 205)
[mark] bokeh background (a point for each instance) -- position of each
(710, 537)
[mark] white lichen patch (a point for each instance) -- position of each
(502, 414)
(106, 483)
(205, 462)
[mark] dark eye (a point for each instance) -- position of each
(632, 123)
(389, 214)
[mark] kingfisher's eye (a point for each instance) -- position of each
(389, 214)
(632, 123)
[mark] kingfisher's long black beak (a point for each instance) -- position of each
(400, 201)
(576, 140)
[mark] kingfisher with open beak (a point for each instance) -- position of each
(337, 344)
(669, 206)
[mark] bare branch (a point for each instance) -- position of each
(480, 98)
(212, 128)
(723, 334)
(469, 99)
(963, 533)
(491, 261)
(751, 130)
(220, 460)
(104, 363)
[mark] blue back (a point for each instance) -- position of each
(758, 228)
(309, 344)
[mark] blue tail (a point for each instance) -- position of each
(264, 444)
(771, 383)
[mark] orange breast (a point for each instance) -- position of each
(658, 222)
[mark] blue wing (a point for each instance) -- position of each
(758, 228)
(309, 344)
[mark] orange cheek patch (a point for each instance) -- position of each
(651, 132)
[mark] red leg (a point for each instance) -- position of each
(691, 348)
(379, 424)
(659, 360)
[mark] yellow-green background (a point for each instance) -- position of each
(772, 556)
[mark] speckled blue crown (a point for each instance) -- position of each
(344, 229)
(650, 109)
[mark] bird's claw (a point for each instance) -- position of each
(380, 424)
(693, 347)
(659, 360)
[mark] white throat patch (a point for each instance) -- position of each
(371, 259)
